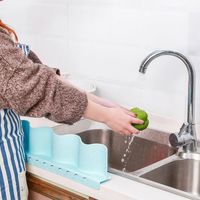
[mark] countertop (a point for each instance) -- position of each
(118, 188)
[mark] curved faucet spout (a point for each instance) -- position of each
(191, 84)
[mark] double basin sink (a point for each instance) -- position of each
(149, 158)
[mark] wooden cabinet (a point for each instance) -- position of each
(49, 191)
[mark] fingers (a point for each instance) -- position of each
(125, 132)
(130, 113)
(132, 130)
(137, 121)
(129, 130)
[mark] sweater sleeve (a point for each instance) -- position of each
(31, 89)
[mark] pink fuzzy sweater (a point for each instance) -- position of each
(32, 89)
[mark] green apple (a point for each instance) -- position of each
(140, 114)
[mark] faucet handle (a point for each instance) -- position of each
(177, 140)
(183, 129)
(182, 138)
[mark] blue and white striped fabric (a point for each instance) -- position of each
(25, 48)
(12, 157)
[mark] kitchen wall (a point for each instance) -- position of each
(106, 40)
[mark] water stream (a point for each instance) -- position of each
(126, 156)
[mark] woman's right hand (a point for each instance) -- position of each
(117, 118)
(120, 120)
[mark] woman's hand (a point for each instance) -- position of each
(118, 119)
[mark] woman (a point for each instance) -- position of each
(30, 88)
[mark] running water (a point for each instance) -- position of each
(126, 156)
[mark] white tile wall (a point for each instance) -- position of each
(41, 24)
(106, 40)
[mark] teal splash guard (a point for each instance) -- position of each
(66, 155)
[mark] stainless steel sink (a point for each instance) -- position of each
(180, 174)
(146, 148)
(150, 160)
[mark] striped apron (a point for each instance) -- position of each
(13, 184)
(12, 158)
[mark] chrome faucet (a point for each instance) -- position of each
(186, 137)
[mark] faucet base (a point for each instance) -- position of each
(189, 155)
(191, 147)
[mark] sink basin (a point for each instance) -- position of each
(130, 153)
(180, 174)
